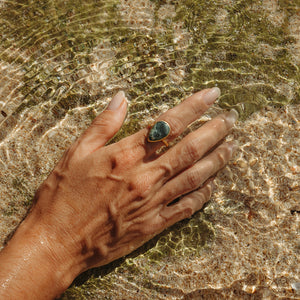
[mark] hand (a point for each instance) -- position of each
(102, 202)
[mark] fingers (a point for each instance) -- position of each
(195, 145)
(104, 127)
(193, 177)
(189, 111)
(181, 116)
(187, 206)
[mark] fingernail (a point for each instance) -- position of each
(116, 101)
(232, 116)
(211, 96)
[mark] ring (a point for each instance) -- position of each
(159, 132)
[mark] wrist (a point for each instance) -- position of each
(36, 254)
(57, 250)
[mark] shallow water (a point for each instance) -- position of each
(60, 63)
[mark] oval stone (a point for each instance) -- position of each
(159, 131)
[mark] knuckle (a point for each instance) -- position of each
(188, 212)
(103, 120)
(176, 126)
(186, 208)
(191, 152)
(188, 203)
(169, 194)
(151, 227)
(147, 230)
(123, 156)
(202, 195)
(141, 186)
(100, 128)
(197, 107)
(193, 179)
(167, 169)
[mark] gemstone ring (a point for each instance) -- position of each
(159, 132)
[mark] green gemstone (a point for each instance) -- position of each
(159, 131)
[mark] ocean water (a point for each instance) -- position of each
(61, 62)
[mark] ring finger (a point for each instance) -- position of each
(195, 145)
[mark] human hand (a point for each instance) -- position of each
(112, 199)
(102, 202)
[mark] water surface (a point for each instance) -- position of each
(60, 63)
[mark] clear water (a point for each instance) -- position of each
(61, 61)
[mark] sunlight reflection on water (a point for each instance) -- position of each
(62, 61)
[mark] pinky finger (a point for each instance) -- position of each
(188, 204)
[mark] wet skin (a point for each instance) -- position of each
(102, 202)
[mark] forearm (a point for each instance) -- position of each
(34, 265)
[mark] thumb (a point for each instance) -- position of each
(104, 126)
